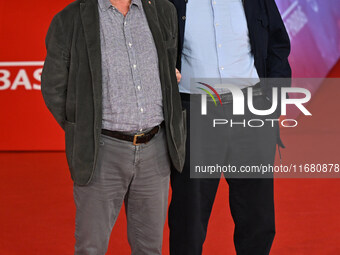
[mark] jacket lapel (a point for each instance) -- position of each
(153, 22)
(150, 10)
(90, 21)
(249, 12)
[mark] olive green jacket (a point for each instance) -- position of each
(71, 81)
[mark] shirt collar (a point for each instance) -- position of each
(138, 3)
(106, 4)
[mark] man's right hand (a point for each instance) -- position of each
(178, 76)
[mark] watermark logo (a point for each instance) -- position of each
(208, 92)
(238, 99)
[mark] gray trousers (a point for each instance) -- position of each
(139, 176)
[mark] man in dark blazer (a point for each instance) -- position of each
(109, 80)
(228, 39)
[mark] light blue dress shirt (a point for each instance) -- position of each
(216, 43)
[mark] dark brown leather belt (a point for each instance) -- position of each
(135, 139)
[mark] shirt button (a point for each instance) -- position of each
(214, 2)
(217, 24)
(138, 87)
(130, 44)
(222, 68)
(124, 22)
(184, 18)
(134, 66)
(141, 109)
(220, 45)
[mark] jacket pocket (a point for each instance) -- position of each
(171, 43)
(264, 21)
(69, 142)
(262, 30)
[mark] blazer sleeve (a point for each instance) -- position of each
(55, 71)
(278, 44)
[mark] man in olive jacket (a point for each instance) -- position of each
(117, 146)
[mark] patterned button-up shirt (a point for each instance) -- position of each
(132, 96)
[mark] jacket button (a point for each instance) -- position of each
(183, 17)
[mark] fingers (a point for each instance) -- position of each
(178, 76)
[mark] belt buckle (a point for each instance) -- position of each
(135, 138)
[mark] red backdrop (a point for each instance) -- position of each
(25, 122)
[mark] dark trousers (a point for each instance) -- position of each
(251, 203)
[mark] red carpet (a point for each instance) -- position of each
(37, 211)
